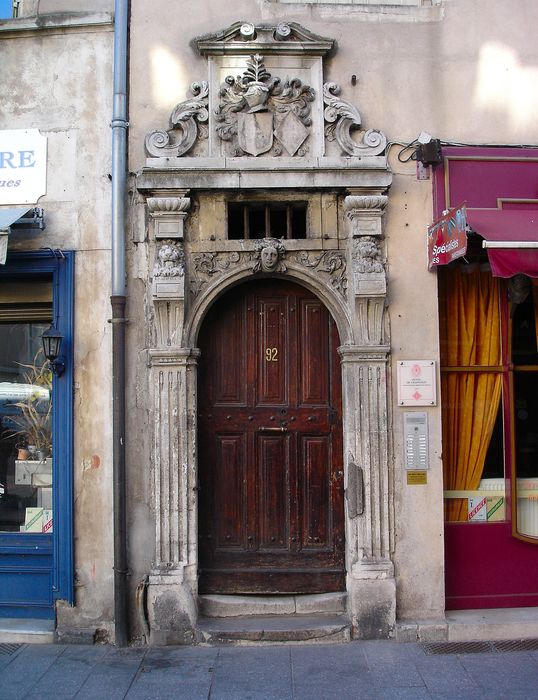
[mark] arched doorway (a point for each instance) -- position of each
(271, 502)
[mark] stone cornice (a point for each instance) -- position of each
(55, 22)
(369, 173)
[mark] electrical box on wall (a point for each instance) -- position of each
(416, 440)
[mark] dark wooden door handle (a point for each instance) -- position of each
(274, 429)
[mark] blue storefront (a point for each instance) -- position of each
(36, 434)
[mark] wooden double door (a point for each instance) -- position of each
(271, 510)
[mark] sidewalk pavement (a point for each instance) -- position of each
(374, 669)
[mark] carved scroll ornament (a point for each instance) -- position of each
(342, 119)
(209, 266)
(184, 129)
(332, 263)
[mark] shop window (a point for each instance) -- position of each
(266, 219)
(489, 384)
(25, 408)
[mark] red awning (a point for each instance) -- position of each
(516, 228)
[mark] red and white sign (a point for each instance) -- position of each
(416, 383)
(477, 509)
(447, 237)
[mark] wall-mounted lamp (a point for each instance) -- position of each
(52, 343)
(428, 150)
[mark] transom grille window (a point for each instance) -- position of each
(266, 220)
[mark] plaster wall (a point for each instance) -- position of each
(59, 81)
(465, 73)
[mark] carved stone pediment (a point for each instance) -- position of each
(243, 38)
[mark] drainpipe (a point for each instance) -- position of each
(117, 300)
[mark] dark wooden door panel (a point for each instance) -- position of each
(228, 384)
(271, 514)
(230, 478)
(272, 352)
(315, 492)
(273, 502)
(314, 367)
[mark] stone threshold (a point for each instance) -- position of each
(245, 605)
(274, 629)
(471, 625)
(14, 630)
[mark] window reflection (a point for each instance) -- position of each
(25, 429)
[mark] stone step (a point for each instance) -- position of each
(242, 605)
(14, 630)
(322, 628)
(471, 625)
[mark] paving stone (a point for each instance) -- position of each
(507, 673)
(247, 672)
(175, 672)
(404, 694)
(331, 672)
(26, 670)
(113, 677)
(447, 674)
(64, 678)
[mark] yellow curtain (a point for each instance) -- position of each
(470, 335)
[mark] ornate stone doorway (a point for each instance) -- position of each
(270, 464)
(194, 177)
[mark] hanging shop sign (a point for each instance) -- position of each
(23, 166)
(447, 237)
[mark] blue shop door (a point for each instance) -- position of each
(35, 439)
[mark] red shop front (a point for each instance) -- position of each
(488, 314)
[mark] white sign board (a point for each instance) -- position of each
(3, 248)
(416, 383)
(23, 166)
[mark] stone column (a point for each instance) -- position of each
(172, 608)
(371, 585)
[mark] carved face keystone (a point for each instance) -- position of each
(269, 258)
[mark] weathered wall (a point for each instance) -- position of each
(464, 72)
(59, 81)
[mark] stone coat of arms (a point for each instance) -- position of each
(257, 109)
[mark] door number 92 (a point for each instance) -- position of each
(271, 354)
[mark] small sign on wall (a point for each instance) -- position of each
(23, 166)
(416, 383)
(417, 478)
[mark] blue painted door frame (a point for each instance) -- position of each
(37, 569)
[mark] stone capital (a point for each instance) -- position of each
(174, 357)
(168, 214)
(364, 354)
(361, 204)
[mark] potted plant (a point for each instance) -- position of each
(33, 422)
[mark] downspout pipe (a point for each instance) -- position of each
(118, 301)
